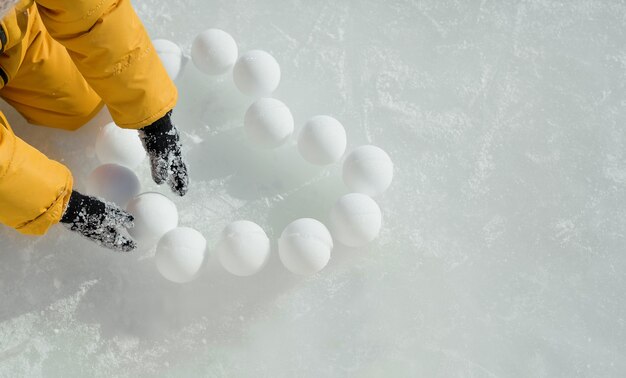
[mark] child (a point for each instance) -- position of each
(61, 61)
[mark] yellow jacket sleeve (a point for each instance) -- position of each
(112, 50)
(34, 190)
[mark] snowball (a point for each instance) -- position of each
(304, 246)
(368, 170)
(214, 52)
(180, 254)
(322, 140)
(355, 220)
(243, 248)
(268, 122)
(171, 56)
(154, 215)
(119, 146)
(114, 183)
(256, 73)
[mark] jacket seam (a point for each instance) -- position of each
(56, 201)
(89, 13)
(11, 159)
(169, 106)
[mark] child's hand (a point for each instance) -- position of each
(100, 221)
(162, 143)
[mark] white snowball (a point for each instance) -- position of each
(154, 215)
(355, 220)
(368, 170)
(214, 52)
(171, 55)
(114, 183)
(180, 254)
(256, 73)
(322, 140)
(115, 145)
(268, 123)
(304, 246)
(243, 248)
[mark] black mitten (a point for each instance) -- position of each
(162, 143)
(99, 221)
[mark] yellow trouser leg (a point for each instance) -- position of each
(47, 88)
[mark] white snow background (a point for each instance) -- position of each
(503, 249)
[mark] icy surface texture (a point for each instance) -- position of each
(502, 248)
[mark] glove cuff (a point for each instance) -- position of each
(73, 207)
(79, 205)
(160, 126)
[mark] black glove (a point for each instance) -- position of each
(99, 221)
(162, 143)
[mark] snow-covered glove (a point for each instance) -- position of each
(100, 221)
(162, 143)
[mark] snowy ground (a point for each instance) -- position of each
(502, 253)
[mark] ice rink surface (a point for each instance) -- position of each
(502, 252)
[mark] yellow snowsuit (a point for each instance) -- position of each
(60, 62)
